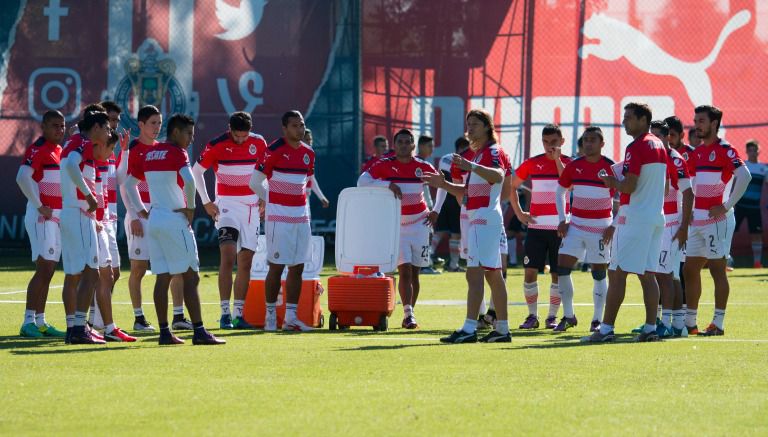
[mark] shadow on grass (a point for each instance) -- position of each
(18, 342)
(69, 349)
(565, 341)
(379, 347)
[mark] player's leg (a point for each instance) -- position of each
(179, 322)
(755, 227)
(138, 270)
(228, 254)
(49, 253)
(292, 294)
(405, 289)
(533, 262)
(599, 291)
(565, 264)
(242, 281)
(160, 297)
(35, 300)
(553, 246)
(717, 269)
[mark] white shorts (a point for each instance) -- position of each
(464, 227)
(636, 248)
(102, 238)
(172, 247)
(585, 246)
(138, 247)
(288, 243)
(114, 252)
(79, 243)
(503, 247)
(712, 241)
(414, 245)
(44, 236)
(669, 253)
(483, 240)
(240, 216)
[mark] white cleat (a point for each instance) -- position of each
(270, 323)
(295, 325)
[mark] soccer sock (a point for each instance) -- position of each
(225, 307)
(290, 311)
(433, 245)
(92, 312)
(649, 328)
(666, 317)
(165, 329)
(757, 251)
(178, 311)
(718, 319)
(40, 320)
(470, 325)
(271, 308)
(512, 254)
(502, 326)
(80, 318)
(678, 319)
(29, 316)
(239, 304)
(198, 327)
(483, 309)
(408, 310)
(690, 317)
(70, 320)
(605, 328)
(109, 328)
(455, 249)
(491, 306)
(599, 290)
(659, 309)
(138, 312)
(565, 288)
(531, 291)
(554, 300)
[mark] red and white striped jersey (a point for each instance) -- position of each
(233, 165)
(112, 188)
(544, 177)
(136, 151)
(679, 180)
(161, 171)
(407, 176)
(102, 191)
(646, 157)
(288, 170)
(459, 176)
(372, 160)
(480, 194)
(592, 206)
(712, 168)
(71, 197)
(44, 158)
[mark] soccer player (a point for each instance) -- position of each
(586, 234)
(39, 179)
(78, 222)
(448, 209)
(402, 175)
(113, 112)
(312, 185)
(425, 147)
(676, 136)
(486, 172)
(714, 166)
(641, 225)
(288, 165)
(173, 250)
(380, 150)
(749, 205)
(542, 241)
(693, 138)
(233, 155)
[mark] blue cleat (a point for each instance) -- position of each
(225, 322)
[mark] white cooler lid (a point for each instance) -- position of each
(312, 269)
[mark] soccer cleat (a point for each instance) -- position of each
(225, 322)
(49, 330)
(757, 265)
(490, 317)
(30, 330)
(168, 339)
(460, 337)
(270, 323)
(202, 336)
(438, 260)
(118, 335)
(181, 324)
(140, 324)
(677, 333)
(664, 332)
(409, 322)
(496, 337)
(565, 323)
(641, 328)
(594, 326)
(531, 322)
(597, 337)
(483, 324)
(93, 333)
(646, 337)
(295, 325)
(550, 322)
(84, 337)
(711, 331)
(692, 330)
(457, 269)
(429, 271)
(68, 336)
(240, 323)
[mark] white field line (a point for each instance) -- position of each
(24, 291)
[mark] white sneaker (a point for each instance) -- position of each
(270, 323)
(295, 325)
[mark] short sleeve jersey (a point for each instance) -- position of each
(677, 170)
(44, 158)
(161, 171)
(544, 177)
(483, 195)
(413, 207)
(233, 164)
(287, 169)
(646, 157)
(712, 168)
(70, 194)
(136, 152)
(592, 205)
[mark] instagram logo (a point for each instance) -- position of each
(54, 88)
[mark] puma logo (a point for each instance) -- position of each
(619, 39)
(539, 166)
(578, 170)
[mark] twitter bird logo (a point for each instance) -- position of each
(239, 22)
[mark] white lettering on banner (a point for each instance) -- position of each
(54, 12)
(59, 87)
(251, 87)
(239, 22)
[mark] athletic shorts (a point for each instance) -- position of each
(138, 247)
(288, 243)
(670, 253)
(114, 251)
(483, 232)
(44, 235)
(414, 245)
(753, 216)
(711, 241)
(541, 247)
(515, 225)
(636, 247)
(172, 246)
(503, 247)
(585, 245)
(242, 217)
(464, 228)
(79, 243)
(448, 220)
(102, 238)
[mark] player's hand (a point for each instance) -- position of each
(681, 236)
(188, 212)
(125, 138)
(462, 163)
(526, 218)
(434, 180)
(45, 212)
(92, 204)
(562, 229)
(717, 211)
(431, 218)
(213, 210)
(262, 207)
(144, 214)
(609, 181)
(395, 189)
(608, 235)
(99, 227)
(325, 203)
(137, 230)
(556, 153)
(72, 129)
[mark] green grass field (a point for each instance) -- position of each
(365, 383)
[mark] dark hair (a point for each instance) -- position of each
(593, 129)
(660, 125)
(403, 132)
(580, 141)
(379, 139)
(674, 124)
(691, 131)
(240, 121)
(485, 117)
(753, 143)
(307, 131)
(461, 143)
(146, 112)
(552, 129)
(713, 112)
(51, 115)
(291, 114)
(178, 121)
(111, 106)
(423, 139)
(113, 137)
(93, 107)
(640, 110)
(91, 119)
